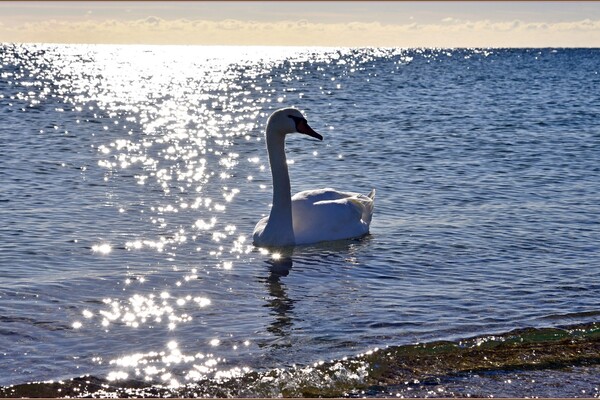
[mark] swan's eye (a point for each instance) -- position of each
(302, 127)
(298, 120)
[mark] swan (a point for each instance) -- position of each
(310, 216)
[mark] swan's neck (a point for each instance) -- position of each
(280, 219)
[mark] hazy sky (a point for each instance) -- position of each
(321, 23)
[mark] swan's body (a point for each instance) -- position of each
(310, 216)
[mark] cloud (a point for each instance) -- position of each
(152, 21)
(449, 32)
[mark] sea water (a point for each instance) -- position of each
(131, 178)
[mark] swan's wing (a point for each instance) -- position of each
(327, 214)
(363, 203)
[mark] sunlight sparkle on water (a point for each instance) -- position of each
(116, 376)
(141, 310)
(157, 364)
(102, 248)
(202, 301)
(175, 135)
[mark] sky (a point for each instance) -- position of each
(305, 23)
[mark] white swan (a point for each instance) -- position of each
(310, 216)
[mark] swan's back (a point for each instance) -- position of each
(327, 214)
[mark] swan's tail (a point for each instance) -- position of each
(368, 207)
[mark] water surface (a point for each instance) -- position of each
(132, 177)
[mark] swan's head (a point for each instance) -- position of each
(290, 120)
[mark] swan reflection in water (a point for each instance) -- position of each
(279, 266)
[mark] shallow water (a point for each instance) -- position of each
(132, 178)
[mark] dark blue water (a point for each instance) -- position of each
(132, 176)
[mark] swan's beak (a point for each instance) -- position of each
(302, 127)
